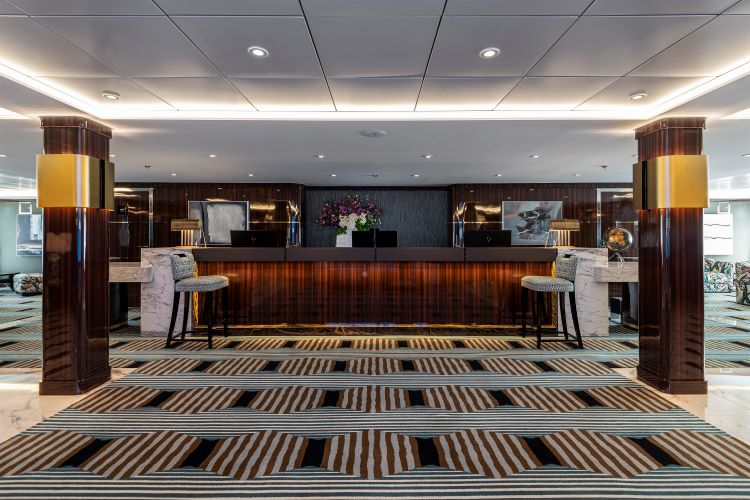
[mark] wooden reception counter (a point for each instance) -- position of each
(365, 286)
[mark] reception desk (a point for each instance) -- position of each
(376, 287)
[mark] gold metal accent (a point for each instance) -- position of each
(185, 224)
(564, 225)
(677, 181)
(71, 180)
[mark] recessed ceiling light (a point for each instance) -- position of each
(3, 156)
(319, 156)
(173, 175)
(111, 95)
(576, 175)
(535, 156)
(212, 155)
(373, 133)
(250, 175)
(490, 52)
(415, 175)
(746, 155)
(428, 157)
(637, 95)
(113, 156)
(498, 175)
(257, 51)
(333, 175)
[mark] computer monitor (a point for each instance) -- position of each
(487, 239)
(374, 238)
(254, 238)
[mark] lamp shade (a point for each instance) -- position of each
(186, 224)
(564, 225)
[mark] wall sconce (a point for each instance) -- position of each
(186, 228)
(563, 228)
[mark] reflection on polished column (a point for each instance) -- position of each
(75, 182)
(670, 188)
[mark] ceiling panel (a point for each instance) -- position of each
(523, 41)
(286, 94)
(6, 8)
(375, 94)
(717, 47)
(657, 7)
(742, 7)
(37, 51)
(225, 40)
(373, 46)
(370, 8)
(463, 94)
(196, 93)
(554, 92)
(23, 100)
(658, 88)
(613, 46)
(91, 89)
(136, 45)
(87, 7)
(231, 7)
(515, 7)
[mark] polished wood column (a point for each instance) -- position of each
(670, 247)
(76, 273)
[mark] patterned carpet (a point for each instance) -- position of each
(393, 416)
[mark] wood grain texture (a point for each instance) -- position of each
(671, 273)
(75, 303)
(407, 293)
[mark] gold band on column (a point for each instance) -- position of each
(74, 180)
(676, 181)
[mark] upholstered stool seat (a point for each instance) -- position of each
(201, 284)
(183, 270)
(547, 284)
(563, 283)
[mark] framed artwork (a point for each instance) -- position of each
(219, 218)
(528, 221)
(29, 231)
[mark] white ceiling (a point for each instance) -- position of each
(340, 66)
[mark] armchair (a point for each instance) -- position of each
(742, 282)
(717, 276)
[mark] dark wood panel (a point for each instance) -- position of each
(298, 293)
(671, 272)
(579, 201)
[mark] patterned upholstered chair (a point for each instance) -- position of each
(563, 282)
(183, 271)
(717, 276)
(28, 283)
(742, 282)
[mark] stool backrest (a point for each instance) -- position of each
(565, 267)
(183, 266)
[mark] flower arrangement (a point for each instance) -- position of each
(349, 214)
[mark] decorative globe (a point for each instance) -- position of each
(618, 239)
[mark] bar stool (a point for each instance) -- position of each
(183, 268)
(563, 282)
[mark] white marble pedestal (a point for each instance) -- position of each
(158, 294)
(591, 294)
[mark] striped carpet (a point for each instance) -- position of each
(396, 416)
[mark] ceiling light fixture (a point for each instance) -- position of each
(576, 175)
(319, 156)
(428, 157)
(746, 155)
(535, 156)
(250, 175)
(3, 156)
(113, 156)
(637, 95)
(490, 53)
(111, 95)
(173, 175)
(498, 175)
(212, 156)
(415, 175)
(372, 133)
(333, 175)
(257, 51)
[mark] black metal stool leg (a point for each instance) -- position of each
(175, 305)
(225, 309)
(574, 313)
(563, 315)
(209, 308)
(524, 301)
(539, 309)
(185, 313)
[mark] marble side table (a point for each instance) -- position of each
(158, 294)
(591, 294)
